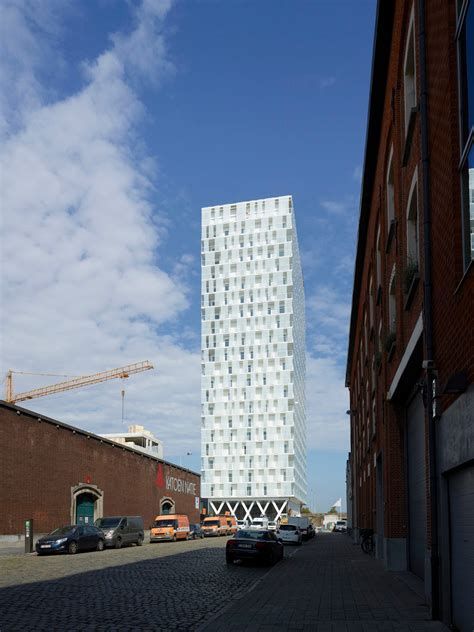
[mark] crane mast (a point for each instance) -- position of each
(78, 382)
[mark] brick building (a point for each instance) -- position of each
(58, 474)
(410, 366)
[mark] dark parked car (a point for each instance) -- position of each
(121, 530)
(254, 544)
(71, 539)
(195, 532)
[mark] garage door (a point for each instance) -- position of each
(416, 486)
(461, 499)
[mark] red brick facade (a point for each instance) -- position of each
(391, 312)
(43, 463)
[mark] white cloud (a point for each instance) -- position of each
(327, 82)
(357, 174)
(329, 310)
(85, 290)
(327, 402)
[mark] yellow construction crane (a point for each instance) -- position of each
(77, 382)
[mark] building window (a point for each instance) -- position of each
(390, 192)
(412, 227)
(465, 37)
(249, 490)
(264, 490)
(378, 258)
(409, 71)
(230, 477)
(392, 303)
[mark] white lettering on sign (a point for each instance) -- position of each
(180, 485)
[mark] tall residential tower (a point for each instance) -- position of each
(253, 360)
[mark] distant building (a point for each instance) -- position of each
(253, 424)
(138, 438)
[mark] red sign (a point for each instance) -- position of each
(88, 479)
(160, 479)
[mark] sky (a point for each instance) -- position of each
(120, 120)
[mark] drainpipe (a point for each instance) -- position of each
(428, 315)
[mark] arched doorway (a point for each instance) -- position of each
(167, 506)
(86, 503)
(85, 508)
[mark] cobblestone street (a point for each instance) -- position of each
(328, 585)
(170, 586)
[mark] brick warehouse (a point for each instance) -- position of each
(410, 363)
(47, 469)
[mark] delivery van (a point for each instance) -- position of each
(169, 527)
(231, 525)
(121, 530)
(215, 525)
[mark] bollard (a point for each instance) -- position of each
(29, 535)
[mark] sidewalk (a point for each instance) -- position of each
(329, 585)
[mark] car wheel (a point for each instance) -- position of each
(100, 545)
(229, 559)
(202, 536)
(118, 543)
(174, 538)
(72, 548)
(139, 541)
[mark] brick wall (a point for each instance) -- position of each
(40, 461)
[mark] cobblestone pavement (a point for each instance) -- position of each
(329, 586)
(166, 586)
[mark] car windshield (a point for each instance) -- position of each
(341, 523)
(107, 523)
(212, 523)
(63, 530)
(166, 523)
(287, 527)
(252, 535)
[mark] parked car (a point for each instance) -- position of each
(305, 525)
(121, 530)
(71, 539)
(170, 527)
(242, 524)
(252, 544)
(272, 525)
(259, 523)
(290, 533)
(195, 532)
(341, 526)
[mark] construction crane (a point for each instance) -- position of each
(78, 382)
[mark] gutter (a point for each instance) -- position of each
(428, 364)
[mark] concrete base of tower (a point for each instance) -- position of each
(250, 508)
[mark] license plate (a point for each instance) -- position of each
(244, 546)
(45, 546)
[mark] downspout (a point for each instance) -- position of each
(428, 315)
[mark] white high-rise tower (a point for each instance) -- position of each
(253, 360)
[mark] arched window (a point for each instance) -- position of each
(390, 192)
(409, 71)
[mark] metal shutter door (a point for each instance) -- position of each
(416, 486)
(461, 498)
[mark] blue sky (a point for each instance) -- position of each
(122, 121)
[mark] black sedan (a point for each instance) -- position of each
(254, 544)
(71, 539)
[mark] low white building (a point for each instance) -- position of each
(138, 438)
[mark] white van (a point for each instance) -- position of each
(259, 523)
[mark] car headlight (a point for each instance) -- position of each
(61, 541)
(109, 534)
